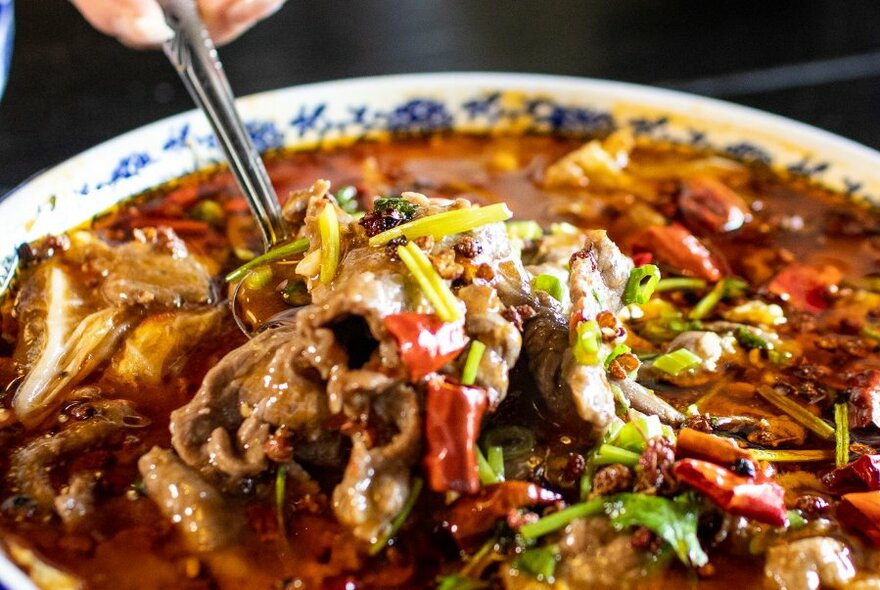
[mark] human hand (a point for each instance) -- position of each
(140, 23)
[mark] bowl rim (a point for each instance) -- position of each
(661, 99)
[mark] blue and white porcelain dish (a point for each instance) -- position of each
(6, 34)
(307, 116)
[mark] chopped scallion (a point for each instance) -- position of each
(346, 198)
(677, 361)
(641, 284)
(433, 286)
(799, 413)
(515, 441)
(401, 517)
(258, 277)
(328, 227)
(587, 342)
(793, 456)
(446, 223)
(524, 230)
(795, 520)
(538, 561)
(472, 362)
(276, 253)
(616, 352)
(727, 287)
(558, 520)
(679, 284)
(486, 473)
(550, 284)
(460, 582)
(280, 494)
(608, 454)
(841, 433)
(749, 340)
(871, 332)
(495, 458)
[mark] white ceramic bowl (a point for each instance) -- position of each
(307, 116)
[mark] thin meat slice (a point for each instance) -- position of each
(201, 514)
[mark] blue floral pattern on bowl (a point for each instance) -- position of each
(325, 114)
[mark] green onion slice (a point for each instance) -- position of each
(558, 520)
(276, 253)
(258, 277)
(727, 287)
(401, 517)
(800, 414)
(495, 458)
(616, 352)
(538, 561)
(472, 363)
(588, 340)
(677, 361)
(524, 230)
(550, 284)
(280, 493)
(641, 284)
(328, 227)
(841, 433)
(446, 223)
(515, 441)
(679, 284)
(871, 332)
(433, 286)
(608, 454)
(793, 456)
(486, 473)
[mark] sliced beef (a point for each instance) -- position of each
(156, 270)
(376, 482)
(201, 514)
(484, 322)
(31, 465)
(599, 274)
(255, 387)
(546, 341)
(809, 564)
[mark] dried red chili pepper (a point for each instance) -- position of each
(452, 425)
(863, 392)
(860, 475)
(756, 498)
(709, 203)
(805, 286)
(675, 246)
(861, 511)
(472, 516)
(709, 447)
(426, 342)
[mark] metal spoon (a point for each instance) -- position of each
(194, 56)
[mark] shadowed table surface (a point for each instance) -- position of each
(815, 61)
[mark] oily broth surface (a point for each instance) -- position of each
(132, 546)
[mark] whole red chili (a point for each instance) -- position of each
(805, 287)
(675, 246)
(472, 516)
(426, 342)
(756, 498)
(452, 425)
(861, 475)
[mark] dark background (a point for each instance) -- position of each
(816, 61)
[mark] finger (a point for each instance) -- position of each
(137, 23)
(227, 19)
